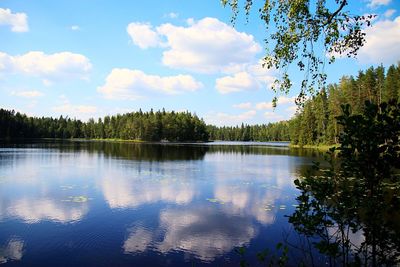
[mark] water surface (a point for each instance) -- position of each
(126, 204)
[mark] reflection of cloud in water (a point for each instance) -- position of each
(138, 240)
(205, 232)
(35, 210)
(35, 185)
(121, 192)
(12, 251)
(274, 169)
(245, 201)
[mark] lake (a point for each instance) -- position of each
(127, 204)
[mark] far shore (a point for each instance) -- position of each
(138, 141)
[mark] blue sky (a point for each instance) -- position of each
(94, 58)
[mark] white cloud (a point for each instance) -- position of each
(75, 109)
(221, 118)
(75, 28)
(376, 3)
(171, 15)
(247, 77)
(28, 94)
(273, 116)
(205, 46)
(241, 81)
(389, 13)
(17, 21)
(78, 111)
(58, 66)
(246, 105)
(382, 43)
(264, 105)
(130, 84)
(291, 110)
(286, 100)
(267, 76)
(190, 21)
(282, 100)
(143, 35)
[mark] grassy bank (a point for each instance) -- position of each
(109, 140)
(318, 147)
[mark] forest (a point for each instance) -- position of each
(314, 123)
(278, 131)
(146, 126)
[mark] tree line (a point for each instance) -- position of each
(278, 131)
(316, 122)
(147, 126)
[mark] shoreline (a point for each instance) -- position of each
(138, 141)
(318, 147)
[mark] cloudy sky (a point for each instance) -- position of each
(94, 58)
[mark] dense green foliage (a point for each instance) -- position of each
(148, 126)
(350, 211)
(316, 123)
(266, 132)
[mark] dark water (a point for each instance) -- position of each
(119, 204)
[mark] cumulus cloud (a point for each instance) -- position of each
(143, 35)
(17, 21)
(130, 84)
(205, 46)
(171, 15)
(241, 81)
(389, 13)
(376, 3)
(382, 43)
(75, 109)
(282, 100)
(245, 105)
(273, 116)
(291, 110)
(28, 94)
(80, 111)
(58, 66)
(75, 28)
(221, 118)
(251, 77)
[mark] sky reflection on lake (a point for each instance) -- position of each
(96, 204)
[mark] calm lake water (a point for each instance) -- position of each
(126, 204)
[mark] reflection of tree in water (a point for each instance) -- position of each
(161, 151)
(350, 211)
(147, 151)
(124, 150)
(263, 150)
